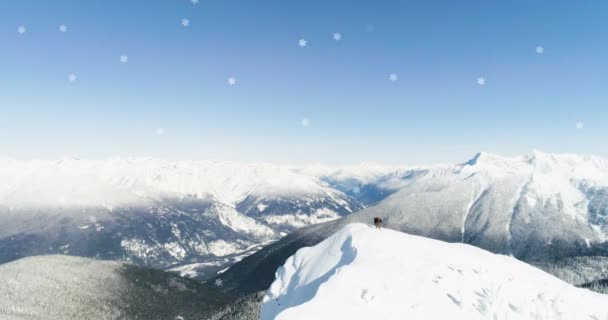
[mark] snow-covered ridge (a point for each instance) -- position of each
(115, 182)
(131, 181)
(364, 273)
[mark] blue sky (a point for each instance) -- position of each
(176, 79)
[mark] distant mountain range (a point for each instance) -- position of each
(198, 217)
(538, 208)
(235, 224)
(157, 213)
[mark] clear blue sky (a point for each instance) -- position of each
(176, 78)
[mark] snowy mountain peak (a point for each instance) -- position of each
(71, 181)
(364, 273)
(484, 157)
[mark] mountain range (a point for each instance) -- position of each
(540, 208)
(156, 213)
(236, 224)
(200, 217)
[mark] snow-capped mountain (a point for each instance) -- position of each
(73, 288)
(364, 273)
(538, 207)
(123, 182)
(524, 206)
(194, 215)
(534, 206)
(158, 213)
(366, 182)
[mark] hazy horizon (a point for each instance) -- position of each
(302, 164)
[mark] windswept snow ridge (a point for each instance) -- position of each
(364, 273)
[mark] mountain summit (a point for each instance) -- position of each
(364, 273)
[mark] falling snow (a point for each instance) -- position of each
(540, 50)
(481, 81)
(231, 81)
(21, 29)
(219, 282)
(194, 1)
(580, 125)
(337, 36)
(305, 122)
(393, 77)
(72, 77)
(185, 22)
(63, 28)
(302, 43)
(124, 58)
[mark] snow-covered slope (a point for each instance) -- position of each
(117, 182)
(364, 273)
(72, 288)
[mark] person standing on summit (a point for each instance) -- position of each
(378, 223)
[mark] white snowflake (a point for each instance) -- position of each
(481, 81)
(305, 122)
(302, 43)
(337, 36)
(63, 28)
(219, 282)
(194, 1)
(160, 131)
(540, 50)
(393, 77)
(185, 22)
(72, 77)
(580, 124)
(124, 58)
(21, 29)
(231, 81)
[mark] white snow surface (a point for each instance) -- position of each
(113, 182)
(364, 273)
(116, 181)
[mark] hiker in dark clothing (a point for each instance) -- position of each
(378, 222)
